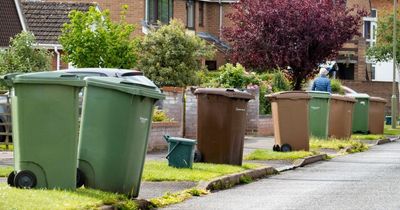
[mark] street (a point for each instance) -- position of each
(368, 180)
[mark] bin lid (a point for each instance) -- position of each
(182, 140)
(227, 92)
(319, 94)
(343, 98)
(359, 95)
(51, 77)
(135, 85)
(289, 95)
(378, 99)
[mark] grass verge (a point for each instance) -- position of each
(172, 198)
(388, 130)
(160, 171)
(5, 171)
(336, 144)
(13, 198)
(367, 137)
(262, 154)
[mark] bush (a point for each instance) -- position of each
(336, 86)
(271, 83)
(160, 116)
(170, 57)
(236, 77)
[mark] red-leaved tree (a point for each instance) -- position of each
(290, 33)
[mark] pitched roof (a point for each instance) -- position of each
(45, 19)
(10, 23)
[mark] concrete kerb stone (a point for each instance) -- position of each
(231, 180)
(387, 140)
(309, 160)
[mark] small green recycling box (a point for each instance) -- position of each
(180, 152)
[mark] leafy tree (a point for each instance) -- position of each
(24, 56)
(383, 50)
(91, 39)
(170, 57)
(299, 34)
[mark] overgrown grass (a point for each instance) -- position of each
(391, 132)
(5, 170)
(3, 147)
(160, 171)
(172, 198)
(336, 144)
(367, 137)
(13, 198)
(262, 154)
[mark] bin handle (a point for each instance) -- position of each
(166, 138)
(169, 153)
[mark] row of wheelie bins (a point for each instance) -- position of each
(323, 115)
(105, 150)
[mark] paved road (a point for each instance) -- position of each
(369, 180)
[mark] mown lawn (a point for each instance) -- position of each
(263, 154)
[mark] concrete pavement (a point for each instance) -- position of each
(368, 180)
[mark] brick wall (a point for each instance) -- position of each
(173, 103)
(373, 88)
(191, 114)
(135, 14)
(265, 125)
(253, 113)
(158, 130)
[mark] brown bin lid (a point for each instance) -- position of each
(227, 92)
(343, 98)
(289, 95)
(378, 99)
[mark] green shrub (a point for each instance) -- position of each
(336, 86)
(208, 78)
(160, 116)
(236, 77)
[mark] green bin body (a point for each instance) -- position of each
(180, 152)
(116, 121)
(319, 113)
(45, 127)
(360, 114)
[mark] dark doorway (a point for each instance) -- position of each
(346, 71)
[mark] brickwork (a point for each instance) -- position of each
(158, 130)
(373, 88)
(265, 125)
(135, 14)
(191, 114)
(253, 112)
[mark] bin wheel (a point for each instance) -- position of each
(25, 179)
(286, 148)
(197, 156)
(10, 179)
(276, 148)
(80, 178)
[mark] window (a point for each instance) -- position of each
(373, 72)
(201, 13)
(211, 65)
(369, 28)
(190, 14)
(158, 10)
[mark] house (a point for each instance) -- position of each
(44, 19)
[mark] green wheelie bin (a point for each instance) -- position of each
(45, 130)
(319, 113)
(361, 113)
(116, 121)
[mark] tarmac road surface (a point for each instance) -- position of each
(368, 180)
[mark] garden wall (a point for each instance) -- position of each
(173, 106)
(158, 130)
(265, 125)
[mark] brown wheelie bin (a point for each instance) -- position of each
(221, 125)
(341, 116)
(376, 115)
(290, 117)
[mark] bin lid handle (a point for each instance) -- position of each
(166, 137)
(169, 153)
(69, 75)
